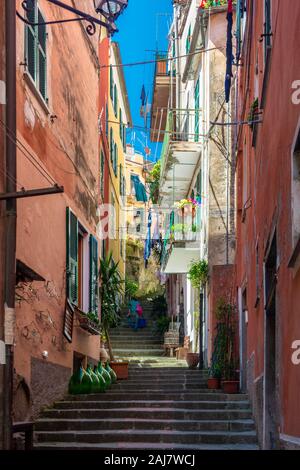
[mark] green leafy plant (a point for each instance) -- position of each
(224, 362)
(93, 317)
(153, 181)
(162, 324)
(111, 293)
(253, 110)
(198, 273)
(131, 288)
(160, 306)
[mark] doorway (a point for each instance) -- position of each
(243, 313)
(270, 366)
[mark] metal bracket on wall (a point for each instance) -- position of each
(32, 192)
(28, 5)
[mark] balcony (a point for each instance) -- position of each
(180, 157)
(160, 98)
(181, 240)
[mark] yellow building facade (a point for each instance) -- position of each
(119, 118)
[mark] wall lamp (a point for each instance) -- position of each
(109, 9)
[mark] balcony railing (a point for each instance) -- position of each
(181, 126)
(182, 226)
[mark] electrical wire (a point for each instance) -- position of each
(28, 155)
(154, 61)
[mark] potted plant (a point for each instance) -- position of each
(198, 273)
(224, 345)
(253, 113)
(111, 290)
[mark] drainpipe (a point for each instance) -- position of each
(10, 218)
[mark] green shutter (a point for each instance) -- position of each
(72, 257)
(197, 111)
(115, 165)
(121, 125)
(93, 275)
(111, 83)
(115, 100)
(31, 52)
(106, 120)
(42, 57)
(111, 146)
(102, 174)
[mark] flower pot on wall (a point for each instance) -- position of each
(121, 369)
(230, 386)
(192, 360)
(213, 384)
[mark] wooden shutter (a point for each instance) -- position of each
(197, 111)
(111, 146)
(115, 100)
(115, 159)
(42, 58)
(111, 83)
(72, 257)
(68, 321)
(93, 274)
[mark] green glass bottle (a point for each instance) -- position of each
(102, 383)
(104, 374)
(75, 382)
(95, 380)
(111, 372)
(86, 383)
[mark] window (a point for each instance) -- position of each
(106, 120)
(188, 40)
(197, 111)
(121, 180)
(111, 83)
(111, 146)
(121, 125)
(241, 16)
(82, 266)
(267, 27)
(102, 174)
(35, 49)
(115, 160)
(115, 100)
(296, 191)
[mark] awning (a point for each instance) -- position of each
(140, 190)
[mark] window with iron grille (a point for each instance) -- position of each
(36, 50)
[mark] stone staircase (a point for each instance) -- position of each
(163, 405)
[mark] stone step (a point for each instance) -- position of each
(129, 435)
(138, 352)
(135, 346)
(153, 406)
(142, 446)
(135, 340)
(147, 413)
(127, 387)
(205, 395)
(154, 424)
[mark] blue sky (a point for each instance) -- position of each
(143, 28)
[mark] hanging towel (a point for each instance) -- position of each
(148, 241)
(140, 190)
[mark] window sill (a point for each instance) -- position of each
(294, 261)
(32, 86)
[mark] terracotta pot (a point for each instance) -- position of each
(121, 369)
(192, 360)
(213, 384)
(230, 386)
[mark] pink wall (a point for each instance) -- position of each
(269, 197)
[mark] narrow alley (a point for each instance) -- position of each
(149, 229)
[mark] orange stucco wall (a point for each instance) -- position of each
(62, 136)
